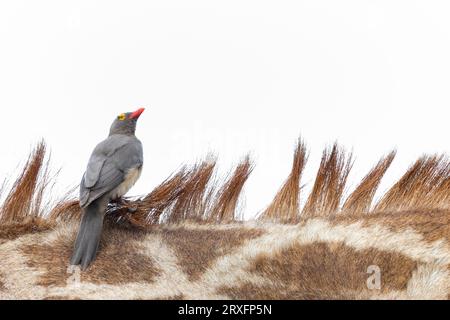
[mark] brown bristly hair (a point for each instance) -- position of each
(424, 186)
(360, 200)
(150, 208)
(24, 200)
(328, 188)
(189, 195)
(226, 199)
(192, 202)
(66, 209)
(285, 207)
(192, 193)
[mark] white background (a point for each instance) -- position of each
(225, 76)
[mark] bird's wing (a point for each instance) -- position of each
(94, 168)
(108, 165)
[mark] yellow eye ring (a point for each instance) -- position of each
(121, 116)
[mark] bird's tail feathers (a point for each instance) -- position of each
(89, 234)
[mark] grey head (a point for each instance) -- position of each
(125, 123)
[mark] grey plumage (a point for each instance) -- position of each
(108, 165)
(113, 168)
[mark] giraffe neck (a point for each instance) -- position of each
(184, 240)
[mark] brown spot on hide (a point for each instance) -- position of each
(119, 259)
(322, 271)
(197, 249)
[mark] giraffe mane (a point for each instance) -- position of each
(195, 193)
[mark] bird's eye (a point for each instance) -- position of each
(121, 116)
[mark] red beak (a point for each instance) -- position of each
(137, 113)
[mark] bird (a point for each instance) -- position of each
(113, 168)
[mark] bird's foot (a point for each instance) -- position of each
(119, 202)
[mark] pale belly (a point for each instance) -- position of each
(131, 177)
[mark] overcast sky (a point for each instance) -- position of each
(230, 77)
